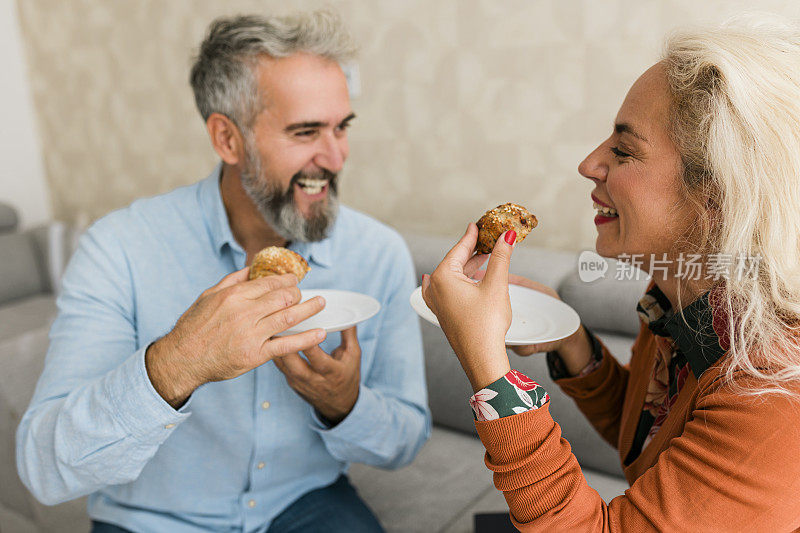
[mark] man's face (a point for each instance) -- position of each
(298, 144)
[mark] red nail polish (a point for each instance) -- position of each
(511, 236)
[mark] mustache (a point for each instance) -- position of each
(322, 174)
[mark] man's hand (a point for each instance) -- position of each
(330, 383)
(228, 331)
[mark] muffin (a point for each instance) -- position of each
(276, 260)
(502, 218)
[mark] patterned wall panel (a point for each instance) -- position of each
(465, 103)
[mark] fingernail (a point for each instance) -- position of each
(511, 237)
(424, 277)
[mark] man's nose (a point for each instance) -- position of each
(331, 153)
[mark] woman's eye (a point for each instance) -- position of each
(619, 153)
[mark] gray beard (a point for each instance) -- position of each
(278, 207)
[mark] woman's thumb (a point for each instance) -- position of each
(500, 260)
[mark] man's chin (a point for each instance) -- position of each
(309, 223)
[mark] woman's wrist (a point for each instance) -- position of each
(485, 368)
(576, 352)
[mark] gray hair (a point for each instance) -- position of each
(223, 75)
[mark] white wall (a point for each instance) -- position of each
(22, 181)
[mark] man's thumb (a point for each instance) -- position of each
(500, 260)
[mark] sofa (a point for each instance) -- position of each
(439, 492)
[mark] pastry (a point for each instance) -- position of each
(502, 218)
(275, 260)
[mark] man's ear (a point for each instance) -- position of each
(226, 138)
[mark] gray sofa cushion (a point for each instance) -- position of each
(14, 498)
(26, 314)
(607, 304)
(445, 478)
(542, 265)
(20, 273)
(8, 218)
(21, 357)
(22, 360)
(445, 486)
(49, 242)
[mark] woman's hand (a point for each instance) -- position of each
(474, 316)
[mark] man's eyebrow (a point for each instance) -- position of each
(316, 124)
(347, 119)
(622, 127)
(305, 125)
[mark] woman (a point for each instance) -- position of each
(704, 161)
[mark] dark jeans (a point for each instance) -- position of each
(336, 508)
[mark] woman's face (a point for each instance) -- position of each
(636, 172)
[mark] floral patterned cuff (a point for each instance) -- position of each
(512, 394)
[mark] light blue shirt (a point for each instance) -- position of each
(239, 451)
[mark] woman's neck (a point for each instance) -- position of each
(679, 292)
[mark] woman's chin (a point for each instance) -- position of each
(606, 249)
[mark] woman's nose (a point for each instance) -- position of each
(594, 167)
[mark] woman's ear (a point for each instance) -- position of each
(226, 138)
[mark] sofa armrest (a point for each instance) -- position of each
(53, 246)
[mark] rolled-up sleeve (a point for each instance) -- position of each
(95, 418)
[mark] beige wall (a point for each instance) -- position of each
(22, 179)
(465, 103)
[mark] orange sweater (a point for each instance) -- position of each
(720, 462)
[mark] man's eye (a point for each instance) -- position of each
(619, 153)
(305, 133)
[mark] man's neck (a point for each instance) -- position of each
(249, 228)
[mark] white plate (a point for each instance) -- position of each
(342, 310)
(535, 316)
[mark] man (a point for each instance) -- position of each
(182, 413)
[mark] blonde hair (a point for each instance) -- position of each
(735, 118)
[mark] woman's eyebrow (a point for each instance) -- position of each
(622, 127)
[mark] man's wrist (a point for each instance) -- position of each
(170, 384)
(332, 416)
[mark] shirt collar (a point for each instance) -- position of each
(318, 252)
(219, 226)
(698, 331)
(217, 222)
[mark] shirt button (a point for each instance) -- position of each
(260, 466)
(251, 503)
(169, 426)
(265, 405)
